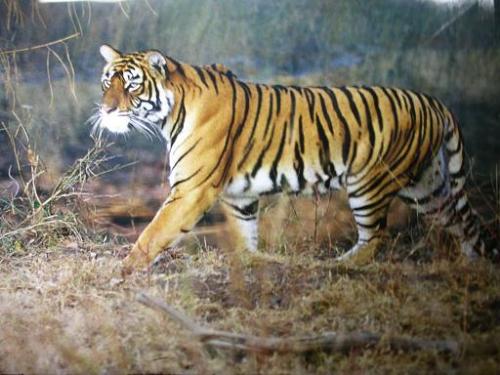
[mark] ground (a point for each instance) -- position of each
(65, 308)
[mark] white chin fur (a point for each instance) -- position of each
(115, 122)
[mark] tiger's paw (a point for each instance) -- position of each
(138, 259)
(360, 254)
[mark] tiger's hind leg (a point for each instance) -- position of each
(369, 207)
(242, 216)
(439, 195)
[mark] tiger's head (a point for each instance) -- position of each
(135, 95)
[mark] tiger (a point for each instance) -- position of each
(234, 141)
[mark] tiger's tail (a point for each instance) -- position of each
(461, 219)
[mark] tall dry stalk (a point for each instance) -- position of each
(38, 216)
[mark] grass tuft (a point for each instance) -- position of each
(34, 215)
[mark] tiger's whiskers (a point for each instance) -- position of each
(145, 127)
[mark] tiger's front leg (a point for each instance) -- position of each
(178, 215)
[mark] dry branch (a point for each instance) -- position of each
(38, 46)
(328, 341)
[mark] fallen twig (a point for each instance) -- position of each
(328, 341)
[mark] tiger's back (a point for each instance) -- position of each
(235, 141)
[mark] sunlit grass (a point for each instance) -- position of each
(65, 309)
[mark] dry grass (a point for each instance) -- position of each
(64, 308)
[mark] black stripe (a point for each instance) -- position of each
(368, 186)
(201, 74)
(248, 210)
(301, 135)
(354, 153)
(410, 108)
(214, 81)
(245, 218)
(464, 210)
(376, 205)
(324, 150)
(184, 155)
(369, 125)
(421, 130)
(448, 135)
(422, 201)
(375, 188)
(396, 96)
(277, 89)
(376, 104)
(177, 183)
(178, 66)
(325, 113)
(429, 134)
(439, 191)
(417, 128)
(352, 104)
(270, 114)
(460, 173)
(457, 150)
(346, 145)
(405, 99)
(403, 153)
(438, 108)
(380, 223)
(258, 164)
(310, 102)
(259, 105)
(248, 183)
(274, 168)
(245, 88)
(394, 113)
(247, 95)
(156, 105)
(247, 152)
(298, 165)
(179, 123)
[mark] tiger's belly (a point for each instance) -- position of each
(289, 181)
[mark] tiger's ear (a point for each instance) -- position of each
(157, 61)
(109, 53)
